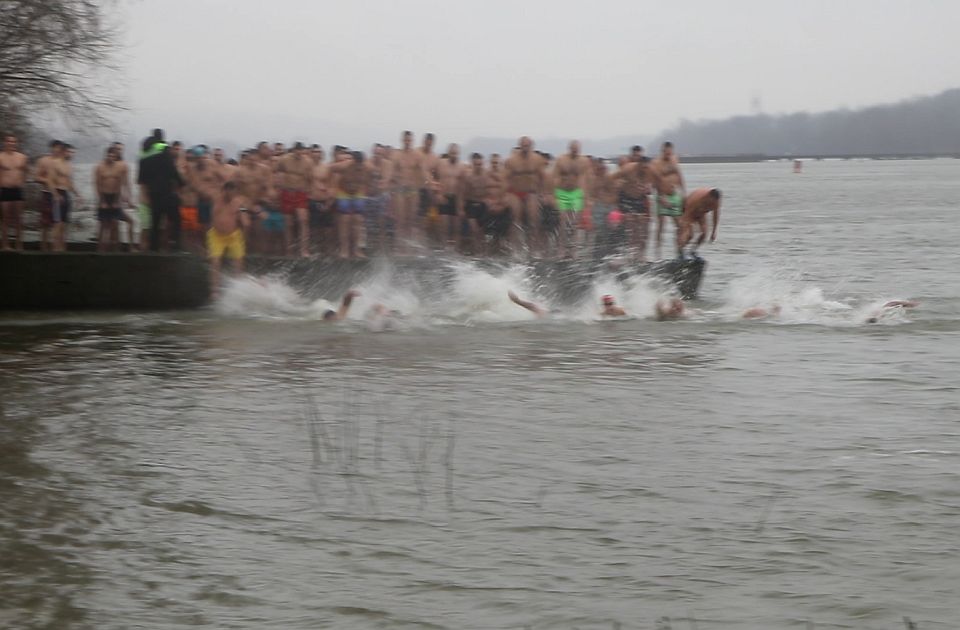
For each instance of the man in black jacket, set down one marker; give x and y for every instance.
(159, 183)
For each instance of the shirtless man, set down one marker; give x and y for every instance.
(48, 197)
(111, 182)
(126, 203)
(297, 171)
(874, 317)
(524, 171)
(193, 232)
(225, 236)
(671, 308)
(670, 189)
(378, 192)
(497, 177)
(408, 178)
(603, 199)
(13, 176)
(59, 177)
(572, 175)
(255, 184)
(430, 162)
(351, 181)
(474, 187)
(320, 204)
(227, 169)
(449, 172)
(207, 178)
(635, 180)
(696, 207)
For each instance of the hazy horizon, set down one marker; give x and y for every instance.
(362, 72)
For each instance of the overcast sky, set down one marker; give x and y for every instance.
(356, 71)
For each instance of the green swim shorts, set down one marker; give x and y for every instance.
(143, 215)
(569, 200)
(673, 207)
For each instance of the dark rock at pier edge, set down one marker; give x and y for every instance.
(82, 280)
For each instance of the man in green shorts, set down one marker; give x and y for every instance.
(571, 175)
(669, 204)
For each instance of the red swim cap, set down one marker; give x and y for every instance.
(607, 300)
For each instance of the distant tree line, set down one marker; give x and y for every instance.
(55, 63)
(927, 125)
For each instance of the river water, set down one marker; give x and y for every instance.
(247, 466)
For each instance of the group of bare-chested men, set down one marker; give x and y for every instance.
(395, 201)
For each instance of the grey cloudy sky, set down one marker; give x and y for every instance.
(357, 71)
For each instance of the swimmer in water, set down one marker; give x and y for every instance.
(759, 312)
(380, 318)
(672, 308)
(610, 308)
(892, 304)
(536, 309)
(341, 313)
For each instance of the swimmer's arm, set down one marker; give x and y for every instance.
(530, 306)
(716, 223)
(901, 303)
(345, 304)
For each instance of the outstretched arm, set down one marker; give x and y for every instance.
(345, 304)
(530, 306)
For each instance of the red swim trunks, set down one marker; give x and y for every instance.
(290, 200)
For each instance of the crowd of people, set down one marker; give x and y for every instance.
(298, 201)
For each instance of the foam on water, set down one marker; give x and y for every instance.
(477, 296)
(802, 303)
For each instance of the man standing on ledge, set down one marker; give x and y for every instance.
(13, 176)
(160, 182)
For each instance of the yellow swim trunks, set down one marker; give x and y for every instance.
(230, 244)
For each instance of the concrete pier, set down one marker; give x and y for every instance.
(86, 280)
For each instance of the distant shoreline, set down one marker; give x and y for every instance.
(759, 157)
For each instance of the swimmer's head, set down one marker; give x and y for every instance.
(607, 300)
(329, 314)
(872, 320)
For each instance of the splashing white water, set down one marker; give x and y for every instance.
(475, 295)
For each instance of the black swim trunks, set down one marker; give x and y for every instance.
(11, 194)
(61, 211)
(321, 214)
(109, 209)
(476, 210)
(449, 206)
(634, 205)
(550, 217)
(497, 224)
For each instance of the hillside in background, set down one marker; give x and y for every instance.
(924, 126)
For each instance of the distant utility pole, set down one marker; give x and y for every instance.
(756, 104)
